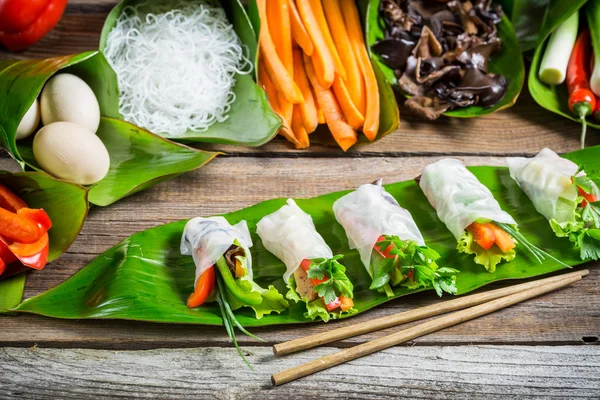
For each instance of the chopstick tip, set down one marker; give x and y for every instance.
(584, 272)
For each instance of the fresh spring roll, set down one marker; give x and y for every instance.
(389, 242)
(313, 274)
(562, 192)
(470, 212)
(221, 253)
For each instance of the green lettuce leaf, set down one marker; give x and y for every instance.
(584, 231)
(316, 308)
(488, 258)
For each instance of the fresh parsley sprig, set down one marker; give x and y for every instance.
(336, 279)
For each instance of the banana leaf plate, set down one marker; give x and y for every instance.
(251, 121)
(553, 98)
(389, 115)
(145, 278)
(138, 158)
(67, 206)
(508, 61)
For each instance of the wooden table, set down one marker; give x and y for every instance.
(540, 348)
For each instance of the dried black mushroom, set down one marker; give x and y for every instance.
(440, 50)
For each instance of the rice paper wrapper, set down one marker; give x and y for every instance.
(369, 212)
(458, 197)
(544, 178)
(289, 233)
(207, 239)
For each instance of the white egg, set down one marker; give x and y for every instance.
(71, 152)
(68, 98)
(29, 122)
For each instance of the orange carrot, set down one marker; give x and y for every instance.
(308, 109)
(324, 64)
(281, 78)
(355, 33)
(299, 130)
(317, 8)
(320, 115)
(354, 79)
(265, 82)
(343, 133)
(278, 13)
(353, 116)
(299, 31)
(286, 132)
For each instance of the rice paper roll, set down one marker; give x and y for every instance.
(458, 197)
(546, 179)
(290, 234)
(370, 212)
(207, 239)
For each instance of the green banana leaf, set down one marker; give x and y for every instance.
(507, 62)
(145, 277)
(132, 150)
(554, 98)
(67, 207)
(389, 114)
(251, 120)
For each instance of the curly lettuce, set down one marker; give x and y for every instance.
(488, 258)
(583, 231)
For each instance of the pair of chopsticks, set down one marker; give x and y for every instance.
(470, 307)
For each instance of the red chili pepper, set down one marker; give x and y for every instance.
(582, 101)
(25, 22)
(32, 255)
(384, 253)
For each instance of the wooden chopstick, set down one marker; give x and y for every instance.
(419, 330)
(377, 324)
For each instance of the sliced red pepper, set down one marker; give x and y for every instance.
(482, 234)
(411, 275)
(2, 266)
(34, 255)
(334, 304)
(36, 29)
(38, 216)
(305, 265)
(17, 15)
(386, 252)
(6, 255)
(9, 200)
(588, 197)
(16, 228)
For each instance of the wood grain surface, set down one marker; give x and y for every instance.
(502, 364)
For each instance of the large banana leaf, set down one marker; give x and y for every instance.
(507, 62)
(145, 277)
(389, 114)
(67, 206)
(138, 158)
(251, 120)
(553, 98)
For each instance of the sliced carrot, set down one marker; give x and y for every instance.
(317, 8)
(299, 130)
(324, 64)
(355, 34)
(278, 13)
(347, 302)
(281, 78)
(286, 132)
(352, 114)
(503, 239)
(354, 80)
(204, 287)
(320, 115)
(308, 109)
(343, 133)
(482, 234)
(299, 33)
(265, 82)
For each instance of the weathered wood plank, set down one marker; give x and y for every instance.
(477, 372)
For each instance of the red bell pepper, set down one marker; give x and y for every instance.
(25, 22)
(32, 255)
(305, 265)
(385, 253)
(9, 200)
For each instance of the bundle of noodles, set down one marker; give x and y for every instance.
(221, 253)
(176, 63)
(389, 242)
(474, 217)
(314, 276)
(563, 193)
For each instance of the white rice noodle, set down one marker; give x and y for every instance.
(458, 197)
(370, 212)
(207, 239)
(289, 233)
(176, 64)
(544, 178)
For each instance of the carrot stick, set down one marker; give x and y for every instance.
(317, 8)
(281, 78)
(353, 116)
(343, 133)
(299, 33)
(278, 13)
(265, 82)
(308, 109)
(324, 65)
(355, 33)
(320, 115)
(354, 79)
(299, 130)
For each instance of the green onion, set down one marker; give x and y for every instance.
(553, 69)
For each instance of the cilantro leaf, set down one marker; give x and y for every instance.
(590, 245)
(591, 213)
(337, 282)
